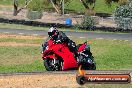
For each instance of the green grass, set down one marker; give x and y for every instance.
(6, 2)
(108, 54)
(10, 2)
(29, 41)
(100, 7)
(76, 6)
(19, 26)
(111, 54)
(20, 59)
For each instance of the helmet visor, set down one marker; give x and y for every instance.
(50, 33)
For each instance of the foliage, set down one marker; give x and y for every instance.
(36, 5)
(120, 2)
(60, 1)
(87, 22)
(123, 16)
(32, 15)
(71, 6)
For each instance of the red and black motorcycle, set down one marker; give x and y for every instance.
(57, 57)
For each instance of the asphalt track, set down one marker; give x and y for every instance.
(95, 35)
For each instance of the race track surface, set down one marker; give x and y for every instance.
(115, 36)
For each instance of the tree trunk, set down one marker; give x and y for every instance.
(88, 10)
(15, 8)
(58, 7)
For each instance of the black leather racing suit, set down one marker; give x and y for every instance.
(61, 37)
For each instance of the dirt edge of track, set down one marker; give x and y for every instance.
(43, 80)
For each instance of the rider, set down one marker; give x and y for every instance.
(60, 37)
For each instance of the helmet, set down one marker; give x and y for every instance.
(52, 32)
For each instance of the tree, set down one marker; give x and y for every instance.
(90, 10)
(57, 4)
(16, 10)
(123, 16)
(87, 3)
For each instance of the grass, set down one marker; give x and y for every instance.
(6, 2)
(29, 41)
(10, 2)
(111, 54)
(76, 6)
(100, 7)
(20, 59)
(108, 54)
(19, 26)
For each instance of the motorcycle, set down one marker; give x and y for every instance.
(58, 57)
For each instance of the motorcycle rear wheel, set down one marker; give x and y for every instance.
(87, 65)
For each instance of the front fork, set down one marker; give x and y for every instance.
(57, 64)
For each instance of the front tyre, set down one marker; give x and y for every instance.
(47, 64)
(52, 65)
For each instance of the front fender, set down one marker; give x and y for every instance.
(49, 56)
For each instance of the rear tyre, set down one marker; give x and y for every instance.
(94, 67)
(88, 64)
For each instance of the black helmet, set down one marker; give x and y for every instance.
(52, 32)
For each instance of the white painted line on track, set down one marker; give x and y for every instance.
(99, 38)
(6, 32)
(126, 40)
(69, 36)
(21, 33)
(35, 34)
(114, 39)
(82, 37)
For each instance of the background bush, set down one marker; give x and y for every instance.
(87, 22)
(123, 16)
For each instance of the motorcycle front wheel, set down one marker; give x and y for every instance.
(50, 65)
